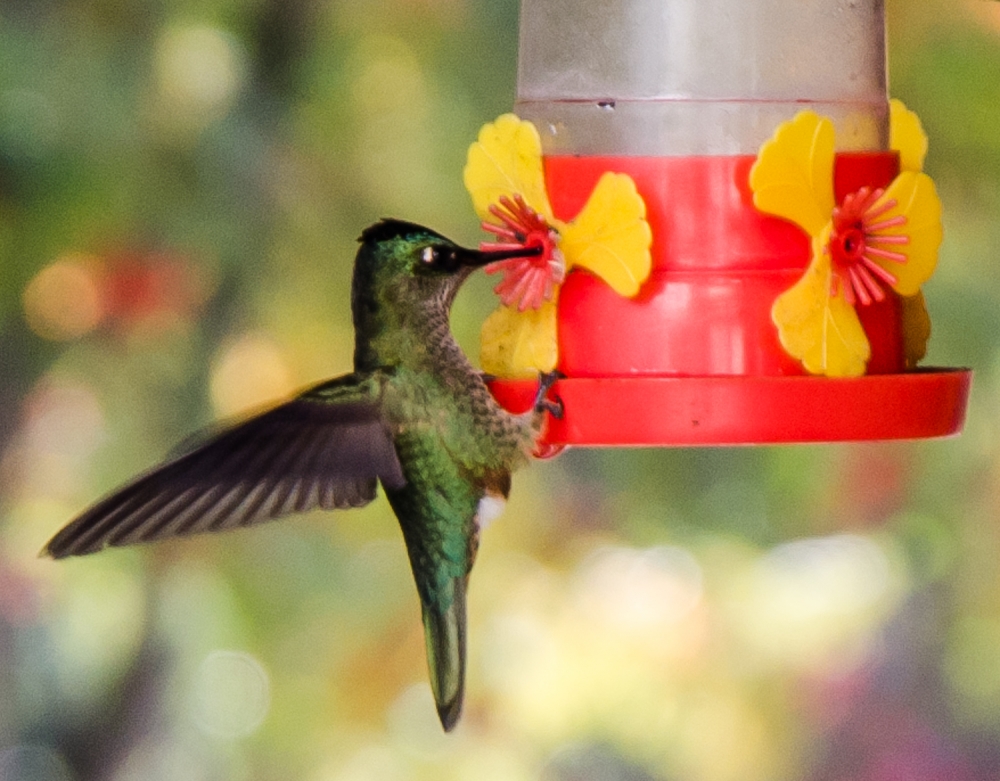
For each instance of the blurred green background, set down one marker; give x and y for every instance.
(181, 186)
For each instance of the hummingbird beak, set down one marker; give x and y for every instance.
(476, 258)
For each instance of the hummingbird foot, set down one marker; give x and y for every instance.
(554, 407)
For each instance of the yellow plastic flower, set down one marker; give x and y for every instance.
(874, 239)
(609, 237)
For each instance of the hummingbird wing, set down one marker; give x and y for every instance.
(326, 448)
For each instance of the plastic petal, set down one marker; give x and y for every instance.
(907, 136)
(610, 236)
(506, 160)
(519, 344)
(917, 200)
(819, 329)
(793, 175)
(916, 329)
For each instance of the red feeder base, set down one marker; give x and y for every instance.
(648, 411)
(695, 359)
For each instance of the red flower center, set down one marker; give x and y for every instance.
(530, 281)
(859, 240)
(852, 245)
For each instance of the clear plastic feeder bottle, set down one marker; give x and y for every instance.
(699, 77)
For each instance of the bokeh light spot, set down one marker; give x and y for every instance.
(63, 424)
(63, 300)
(63, 416)
(823, 576)
(641, 589)
(199, 70)
(248, 372)
(232, 694)
(149, 293)
(814, 601)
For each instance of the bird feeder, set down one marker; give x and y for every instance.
(789, 226)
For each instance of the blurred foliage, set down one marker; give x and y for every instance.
(181, 185)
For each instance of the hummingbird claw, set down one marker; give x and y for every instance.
(554, 407)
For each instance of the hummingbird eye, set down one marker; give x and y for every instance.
(439, 259)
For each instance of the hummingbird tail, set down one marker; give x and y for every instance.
(444, 632)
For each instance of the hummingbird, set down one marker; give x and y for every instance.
(414, 415)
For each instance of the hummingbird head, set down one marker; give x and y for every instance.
(406, 277)
(406, 266)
